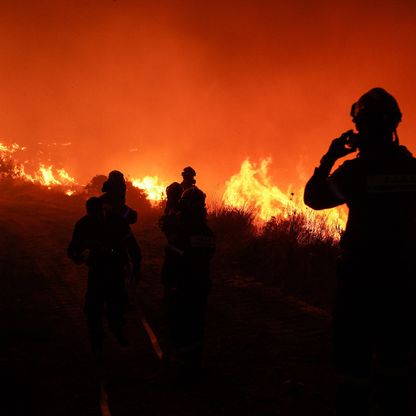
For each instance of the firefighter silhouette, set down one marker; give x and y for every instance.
(114, 197)
(173, 195)
(104, 242)
(175, 189)
(113, 202)
(186, 279)
(373, 316)
(188, 178)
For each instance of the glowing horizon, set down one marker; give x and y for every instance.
(251, 188)
(154, 87)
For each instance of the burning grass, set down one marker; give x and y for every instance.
(294, 252)
(262, 232)
(291, 252)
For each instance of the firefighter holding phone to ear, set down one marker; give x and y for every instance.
(373, 317)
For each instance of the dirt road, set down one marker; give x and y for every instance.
(266, 354)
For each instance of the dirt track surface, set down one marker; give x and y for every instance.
(266, 353)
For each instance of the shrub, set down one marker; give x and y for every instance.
(295, 252)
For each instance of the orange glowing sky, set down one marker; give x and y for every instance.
(149, 87)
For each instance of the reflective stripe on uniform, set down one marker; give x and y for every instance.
(352, 380)
(175, 249)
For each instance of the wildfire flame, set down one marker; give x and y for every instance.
(252, 188)
(44, 175)
(154, 190)
(50, 176)
(47, 177)
(14, 147)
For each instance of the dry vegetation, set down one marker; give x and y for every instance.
(284, 252)
(289, 253)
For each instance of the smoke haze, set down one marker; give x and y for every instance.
(150, 87)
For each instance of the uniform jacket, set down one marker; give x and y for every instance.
(380, 192)
(109, 242)
(191, 245)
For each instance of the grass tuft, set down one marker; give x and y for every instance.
(296, 253)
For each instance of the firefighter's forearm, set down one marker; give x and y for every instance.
(317, 194)
(326, 165)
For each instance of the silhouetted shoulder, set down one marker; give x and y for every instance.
(347, 178)
(80, 234)
(82, 225)
(348, 166)
(405, 153)
(83, 221)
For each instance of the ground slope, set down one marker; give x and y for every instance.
(266, 354)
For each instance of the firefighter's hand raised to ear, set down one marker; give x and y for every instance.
(341, 146)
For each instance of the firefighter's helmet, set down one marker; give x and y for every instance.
(115, 181)
(376, 109)
(174, 191)
(188, 172)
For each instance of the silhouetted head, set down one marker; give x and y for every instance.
(188, 172)
(174, 191)
(192, 203)
(94, 206)
(115, 182)
(376, 116)
(188, 175)
(173, 195)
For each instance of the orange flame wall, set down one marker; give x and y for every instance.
(251, 188)
(151, 87)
